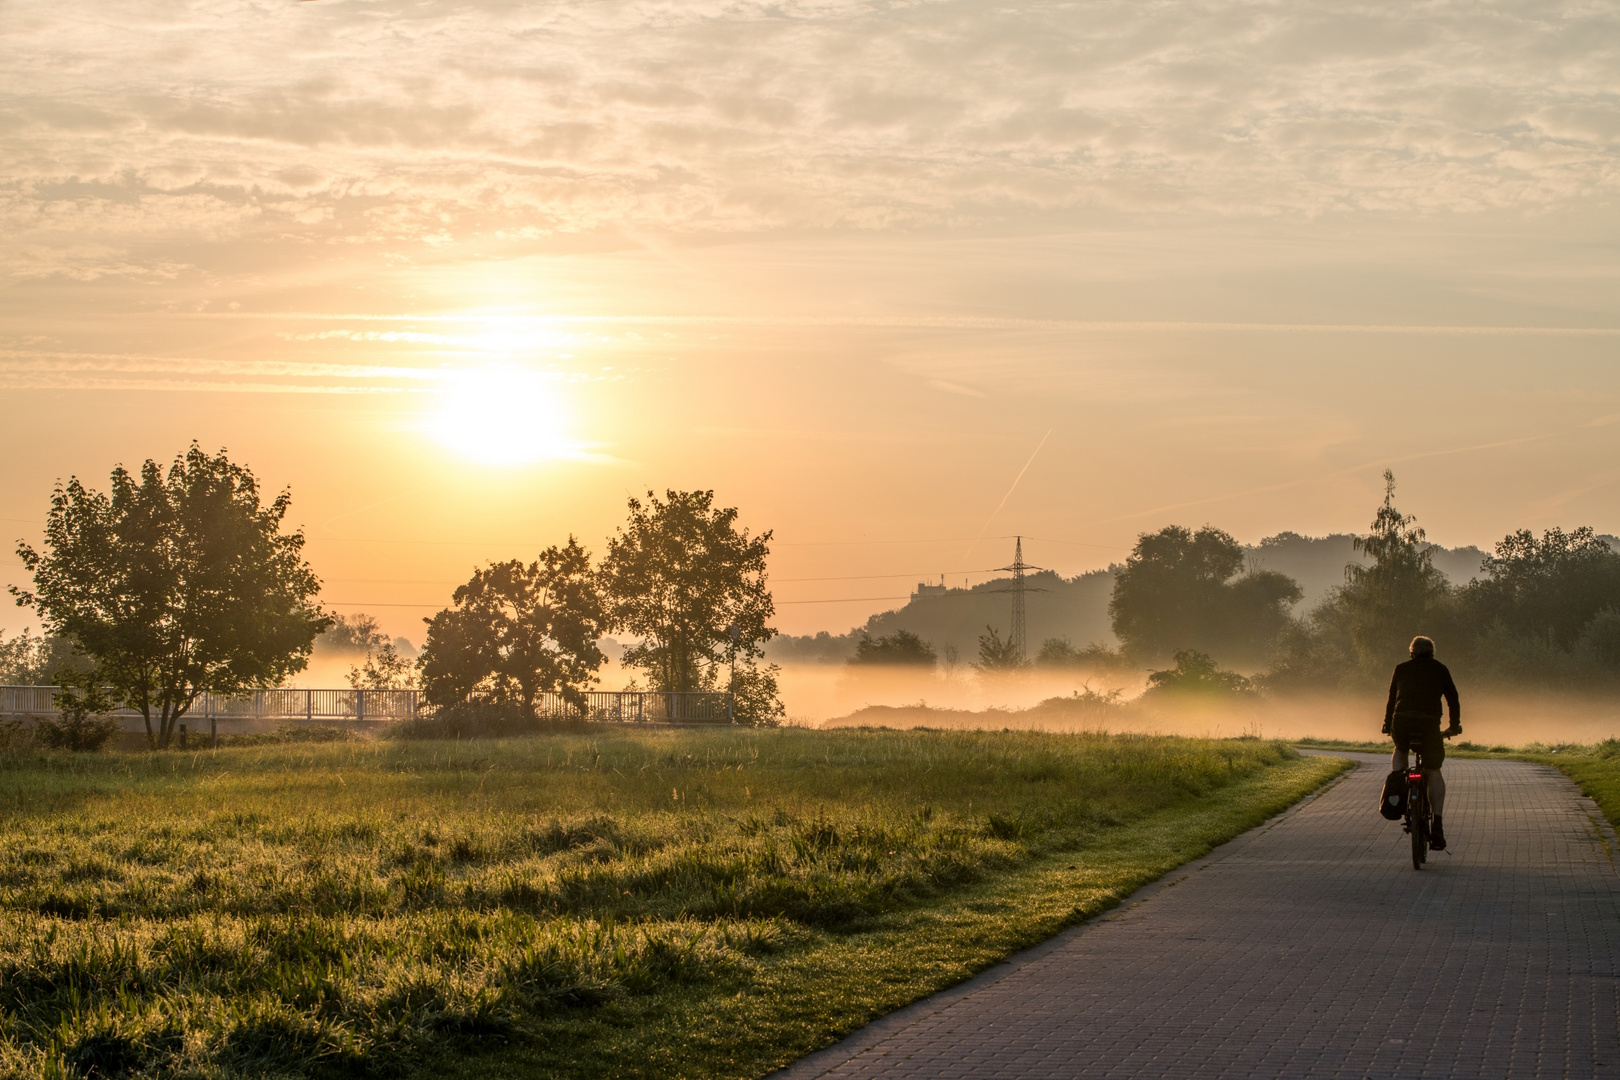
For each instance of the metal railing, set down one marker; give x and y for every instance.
(309, 706)
(642, 706)
(381, 706)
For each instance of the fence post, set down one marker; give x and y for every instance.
(213, 733)
(309, 705)
(359, 704)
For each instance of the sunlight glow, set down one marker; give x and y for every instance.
(505, 415)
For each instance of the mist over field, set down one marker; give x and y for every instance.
(1045, 701)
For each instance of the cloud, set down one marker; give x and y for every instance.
(151, 126)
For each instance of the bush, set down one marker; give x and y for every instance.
(77, 730)
(476, 720)
(758, 702)
(15, 738)
(291, 733)
(1197, 673)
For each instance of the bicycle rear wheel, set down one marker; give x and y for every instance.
(1418, 808)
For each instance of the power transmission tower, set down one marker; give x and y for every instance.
(1018, 588)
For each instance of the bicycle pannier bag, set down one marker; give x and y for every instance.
(1392, 803)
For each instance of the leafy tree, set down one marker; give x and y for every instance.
(1551, 588)
(518, 631)
(680, 574)
(901, 649)
(1061, 653)
(1197, 673)
(997, 654)
(758, 700)
(31, 659)
(357, 633)
(174, 584)
(1400, 595)
(1183, 590)
(384, 669)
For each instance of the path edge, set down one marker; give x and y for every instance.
(819, 1063)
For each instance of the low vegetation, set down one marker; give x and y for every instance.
(653, 903)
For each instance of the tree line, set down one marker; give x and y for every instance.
(179, 582)
(1542, 610)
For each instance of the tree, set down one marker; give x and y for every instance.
(1061, 653)
(518, 631)
(899, 649)
(357, 633)
(31, 659)
(1550, 588)
(1396, 598)
(1177, 591)
(1197, 673)
(174, 585)
(680, 574)
(997, 655)
(383, 669)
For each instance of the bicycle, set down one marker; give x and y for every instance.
(1419, 816)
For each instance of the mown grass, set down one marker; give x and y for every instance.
(656, 903)
(1595, 770)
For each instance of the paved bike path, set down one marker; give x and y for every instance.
(1309, 947)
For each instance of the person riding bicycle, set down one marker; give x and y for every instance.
(1412, 719)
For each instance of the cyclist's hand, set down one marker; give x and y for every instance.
(1385, 728)
(1454, 729)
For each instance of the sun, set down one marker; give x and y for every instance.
(502, 415)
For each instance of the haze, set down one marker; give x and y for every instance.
(899, 280)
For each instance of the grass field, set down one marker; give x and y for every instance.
(655, 903)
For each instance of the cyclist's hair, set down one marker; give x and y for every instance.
(1422, 646)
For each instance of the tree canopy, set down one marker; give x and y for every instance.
(998, 654)
(31, 659)
(1197, 673)
(1182, 589)
(515, 631)
(681, 574)
(901, 648)
(174, 584)
(1400, 595)
(1551, 587)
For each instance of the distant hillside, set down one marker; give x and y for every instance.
(1318, 562)
(1077, 608)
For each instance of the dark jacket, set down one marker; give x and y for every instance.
(1416, 690)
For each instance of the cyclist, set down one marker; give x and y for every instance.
(1412, 718)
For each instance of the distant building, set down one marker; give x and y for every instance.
(925, 589)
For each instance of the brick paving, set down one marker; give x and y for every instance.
(1309, 947)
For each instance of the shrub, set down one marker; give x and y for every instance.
(291, 733)
(476, 720)
(1197, 673)
(77, 730)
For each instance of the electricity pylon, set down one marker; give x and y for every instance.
(1018, 638)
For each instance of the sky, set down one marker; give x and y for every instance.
(899, 280)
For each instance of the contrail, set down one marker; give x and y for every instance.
(1007, 496)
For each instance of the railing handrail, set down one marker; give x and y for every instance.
(312, 704)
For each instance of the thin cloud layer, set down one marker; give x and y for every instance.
(135, 134)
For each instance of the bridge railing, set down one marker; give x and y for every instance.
(380, 706)
(642, 706)
(309, 706)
